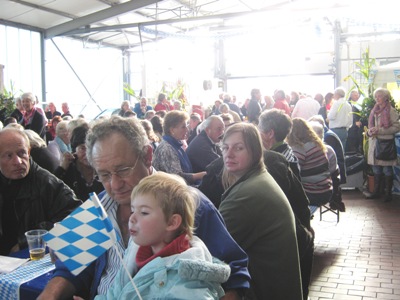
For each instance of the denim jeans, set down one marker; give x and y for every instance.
(342, 134)
(387, 170)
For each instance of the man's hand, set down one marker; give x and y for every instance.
(58, 288)
(15, 248)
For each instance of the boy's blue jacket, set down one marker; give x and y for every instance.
(209, 227)
(192, 274)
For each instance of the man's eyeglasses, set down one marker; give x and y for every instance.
(121, 173)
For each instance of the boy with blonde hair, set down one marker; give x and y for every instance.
(165, 259)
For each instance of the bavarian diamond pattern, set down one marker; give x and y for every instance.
(82, 236)
(10, 283)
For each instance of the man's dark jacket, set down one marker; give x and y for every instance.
(201, 152)
(41, 200)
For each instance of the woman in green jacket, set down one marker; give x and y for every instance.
(258, 216)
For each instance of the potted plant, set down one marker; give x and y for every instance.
(7, 105)
(365, 70)
(175, 92)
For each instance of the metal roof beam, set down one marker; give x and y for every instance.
(20, 25)
(166, 21)
(40, 7)
(97, 17)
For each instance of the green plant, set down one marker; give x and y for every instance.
(365, 71)
(175, 92)
(7, 105)
(128, 89)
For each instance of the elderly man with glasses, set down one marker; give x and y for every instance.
(121, 154)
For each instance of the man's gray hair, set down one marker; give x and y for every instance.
(340, 92)
(318, 128)
(16, 131)
(317, 118)
(129, 128)
(207, 122)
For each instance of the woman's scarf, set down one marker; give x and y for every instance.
(183, 158)
(63, 146)
(384, 111)
(28, 116)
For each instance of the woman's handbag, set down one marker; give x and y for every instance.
(385, 149)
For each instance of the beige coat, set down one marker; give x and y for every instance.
(383, 133)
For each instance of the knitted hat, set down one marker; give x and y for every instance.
(78, 137)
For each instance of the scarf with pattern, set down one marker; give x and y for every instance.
(384, 111)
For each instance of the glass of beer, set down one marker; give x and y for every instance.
(37, 245)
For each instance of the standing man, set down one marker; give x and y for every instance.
(30, 197)
(232, 106)
(340, 116)
(121, 154)
(254, 107)
(355, 133)
(306, 108)
(204, 148)
(65, 110)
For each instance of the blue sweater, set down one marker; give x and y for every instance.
(209, 227)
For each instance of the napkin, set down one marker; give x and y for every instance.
(9, 264)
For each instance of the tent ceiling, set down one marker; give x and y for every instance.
(123, 23)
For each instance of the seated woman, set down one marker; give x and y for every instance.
(75, 169)
(161, 225)
(32, 118)
(125, 106)
(51, 129)
(169, 156)
(40, 153)
(157, 123)
(61, 143)
(313, 161)
(259, 217)
(335, 202)
(154, 139)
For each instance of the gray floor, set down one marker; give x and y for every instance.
(359, 257)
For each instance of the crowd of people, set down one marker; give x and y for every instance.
(223, 193)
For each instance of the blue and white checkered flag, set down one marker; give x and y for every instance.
(82, 236)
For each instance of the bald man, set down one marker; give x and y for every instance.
(30, 197)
